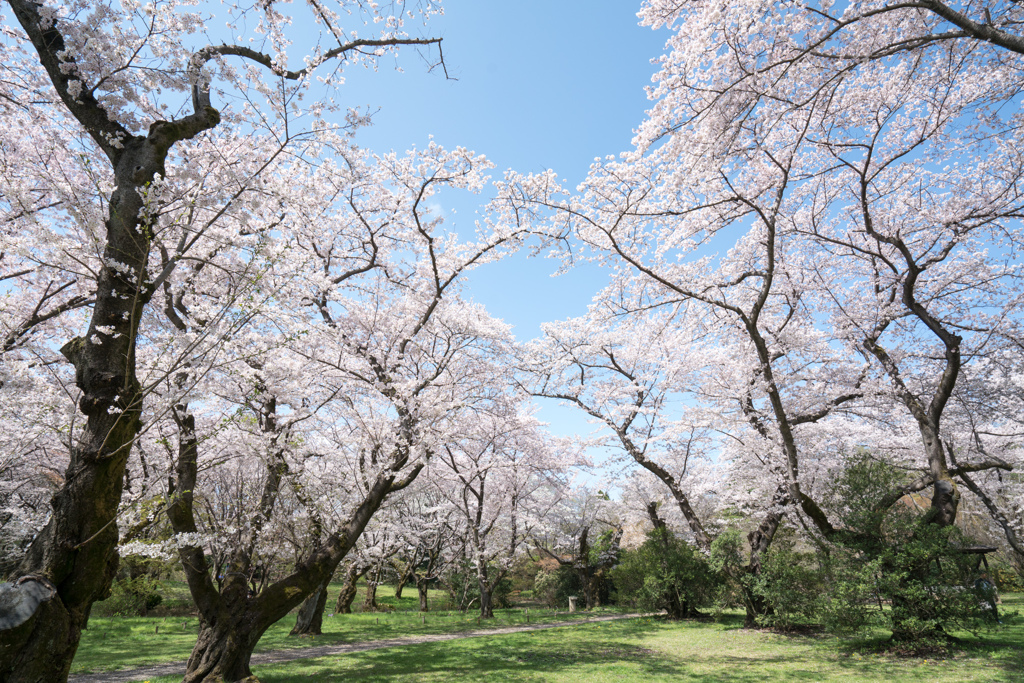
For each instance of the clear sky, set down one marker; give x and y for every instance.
(539, 85)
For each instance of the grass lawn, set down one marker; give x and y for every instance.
(129, 642)
(652, 649)
(648, 650)
(641, 650)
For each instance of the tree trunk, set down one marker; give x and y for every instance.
(486, 606)
(76, 552)
(407, 574)
(760, 540)
(421, 588)
(583, 576)
(596, 584)
(232, 620)
(486, 589)
(348, 590)
(310, 619)
(222, 651)
(370, 601)
(22, 607)
(345, 600)
(676, 608)
(754, 606)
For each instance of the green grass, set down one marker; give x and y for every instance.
(129, 642)
(650, 650)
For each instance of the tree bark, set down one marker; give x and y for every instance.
(370, 601)
(486, 603)
(583, 576)
(22, 604)
(406, 574)
(310, 619)
(232, 621)
(486, 591)
(77, 550)
(348, 590)
(223, 650)
(421, 589)
(760, 540)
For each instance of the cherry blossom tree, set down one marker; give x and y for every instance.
(908, 175)
(371, 355)
(630, 377)
(764, 348)
(429, 525)
(858, 163)
(583, 532)
(859, 167)
(119, 126)
(495, 471)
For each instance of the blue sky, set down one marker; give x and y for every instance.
(539, 85)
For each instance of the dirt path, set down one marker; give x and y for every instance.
(178, 668)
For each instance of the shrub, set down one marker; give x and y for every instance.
(554, 587)
(666, 573)
(545, 587)
(791, 584)
(502, 593)
(727, 561)
(1007, 579)
(895, 555)
(464, 589)
(134, 597)
(928, 582)
(886, 565)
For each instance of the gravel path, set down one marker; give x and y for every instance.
(178, 668)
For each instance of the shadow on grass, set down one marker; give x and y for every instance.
(612, 661)
(999, 648)
(652, 649)
(132, 642)
(1002, 645)
(593, 653)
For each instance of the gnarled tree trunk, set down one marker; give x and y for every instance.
(370, 600)
(347, 595)
(76, 551)
(310, 619)
(405, 576)
(232, 621)
(421, 589)
(223, 649)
